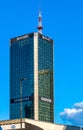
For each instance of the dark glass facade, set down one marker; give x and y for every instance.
(21, 66)
(22, 60)
(45, 69)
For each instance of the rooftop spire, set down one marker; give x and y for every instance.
(40, 27)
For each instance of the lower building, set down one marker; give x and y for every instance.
(29, 124)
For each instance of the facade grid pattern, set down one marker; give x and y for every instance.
(31, 57)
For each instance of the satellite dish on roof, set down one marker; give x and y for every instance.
(13, 126)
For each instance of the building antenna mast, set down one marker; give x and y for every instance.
(40, 27)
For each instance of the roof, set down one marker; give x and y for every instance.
(39, 124)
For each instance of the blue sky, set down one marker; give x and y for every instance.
(62, 21)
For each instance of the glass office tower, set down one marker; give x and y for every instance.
(31, 58)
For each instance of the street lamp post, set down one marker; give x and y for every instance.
(21, 79)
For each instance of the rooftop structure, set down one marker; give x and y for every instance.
(40, 27)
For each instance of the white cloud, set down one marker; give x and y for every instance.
(73, 115)
(79, 105)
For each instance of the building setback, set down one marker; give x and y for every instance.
(31, 58)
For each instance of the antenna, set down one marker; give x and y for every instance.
(40, 27)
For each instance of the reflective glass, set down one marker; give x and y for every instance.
(45, 79)
(21, 66)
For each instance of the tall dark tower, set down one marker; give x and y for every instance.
(31, 57)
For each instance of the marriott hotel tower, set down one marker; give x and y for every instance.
(31, 68)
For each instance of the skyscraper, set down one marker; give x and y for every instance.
(31, 57)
